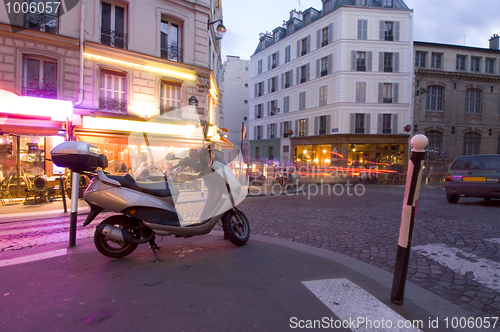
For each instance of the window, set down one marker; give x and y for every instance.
(170, 41)
(322, 95)
(46, 20)
(360, 61)
(245, 101)
(270, 153)
(361, 92)
(473, 101)
(273, 107)
(112, 91)
(322, 125)
(388, 62)
(288, 51)
(420, 59)
(286, 104)
(387, 93)
(436, 60)
(170, 96)
(490, 66)
(258, 132)
(274, 81)
(389, 31)
(303, 74)
(246, 85)
(302, 127)
(435, 98)
(276, 37)
(362, 29)
(360, 2)
(324, 66)
(288, 79)
(435, 143)
(274, 60)
(461, 62)
(359, 124)
(324, 36)
(303, 43)
(286, 148)
(472, 142)
(286, 127)
(272, 130)
(259, 67)
(475, 64)
(386, 3)
(302, 100)
(262, 44)
(258, 111)
(257, 150)
(259, 89)
(386, 123)
(40, 77)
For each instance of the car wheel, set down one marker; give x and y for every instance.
(452, 198)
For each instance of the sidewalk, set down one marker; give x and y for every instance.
(207, 284)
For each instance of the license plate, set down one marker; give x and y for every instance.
(474, 179)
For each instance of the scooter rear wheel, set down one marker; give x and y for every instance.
(236, 228)
(112, 248)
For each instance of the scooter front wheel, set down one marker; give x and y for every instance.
(236, 227)
(111, 247)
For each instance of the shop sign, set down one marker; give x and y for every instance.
(193, 101)
(335, 130)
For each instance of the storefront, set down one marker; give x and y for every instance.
(29, 129)
(351, 155)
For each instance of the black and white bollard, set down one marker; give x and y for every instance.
(75, 188)
(413, 180)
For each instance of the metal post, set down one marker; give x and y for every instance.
(413, 179)
(75, 186)
(61, 190)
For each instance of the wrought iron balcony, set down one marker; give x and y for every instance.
(42, 22)
(49, 93)
(114, 39)
(171, 53)
(302, 80)
(287, 85)
(112, 105)
(324, 73)
(388, 69)
(324, 43)
(387, 100)
(304, 52)
(361, 68)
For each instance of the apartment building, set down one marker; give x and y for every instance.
(120, 64)
(333, 87)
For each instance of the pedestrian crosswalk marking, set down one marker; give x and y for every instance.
(484, 271)
(352, 304)
(31, 258)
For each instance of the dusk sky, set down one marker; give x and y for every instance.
(439, 21)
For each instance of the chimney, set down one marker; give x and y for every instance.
(494, 42)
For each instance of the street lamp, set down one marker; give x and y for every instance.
(221, 29)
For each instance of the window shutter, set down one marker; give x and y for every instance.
(395, 99)
(318, 39)
(396, 62)
(381, 35)
(282, 81)
(298, 48)
(268, 85)
(353, 123)
(381, 61)
(330, 63)
(369, 56)
(308, 43)
(360, 29)
(286, 104)
(330, 33)
(256, 90)
(328, 124)
(353, 60)
(396, 31)
(380, 118)
(316, 125)
(380, 93)
(394, 124)
(365, 29)
(268, 131)
(317, 67)
(298, 76)
(276, 83)
(268, 108)
(268, 62)
(255, 132)
(291, 77)
(256, 111)
(296, 128)
(307, 128)
(277, 58)
(280, 134)
(368, 123)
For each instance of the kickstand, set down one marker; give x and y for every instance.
(155, 249)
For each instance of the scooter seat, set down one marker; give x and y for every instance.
(159, 189)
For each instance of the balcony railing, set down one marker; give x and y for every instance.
(387, 100)
(273, 89)
(40, 93)
(302, 80)
(114, 39)
(324, 43)
(388, 69)
(287, 85)
(361, 68)
(42, 22)
(304, 52)
(389, 37)
(171, 53)
(273, 66)
(324, 73)
(112, 105)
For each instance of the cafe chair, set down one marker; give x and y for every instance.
(40, 187)
(5, 190)
(30, 190)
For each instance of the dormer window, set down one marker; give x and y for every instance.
(262, 44)
(360, 2)
(387, 3)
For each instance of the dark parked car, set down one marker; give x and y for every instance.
(473, 176)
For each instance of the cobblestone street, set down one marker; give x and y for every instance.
(363, 224)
